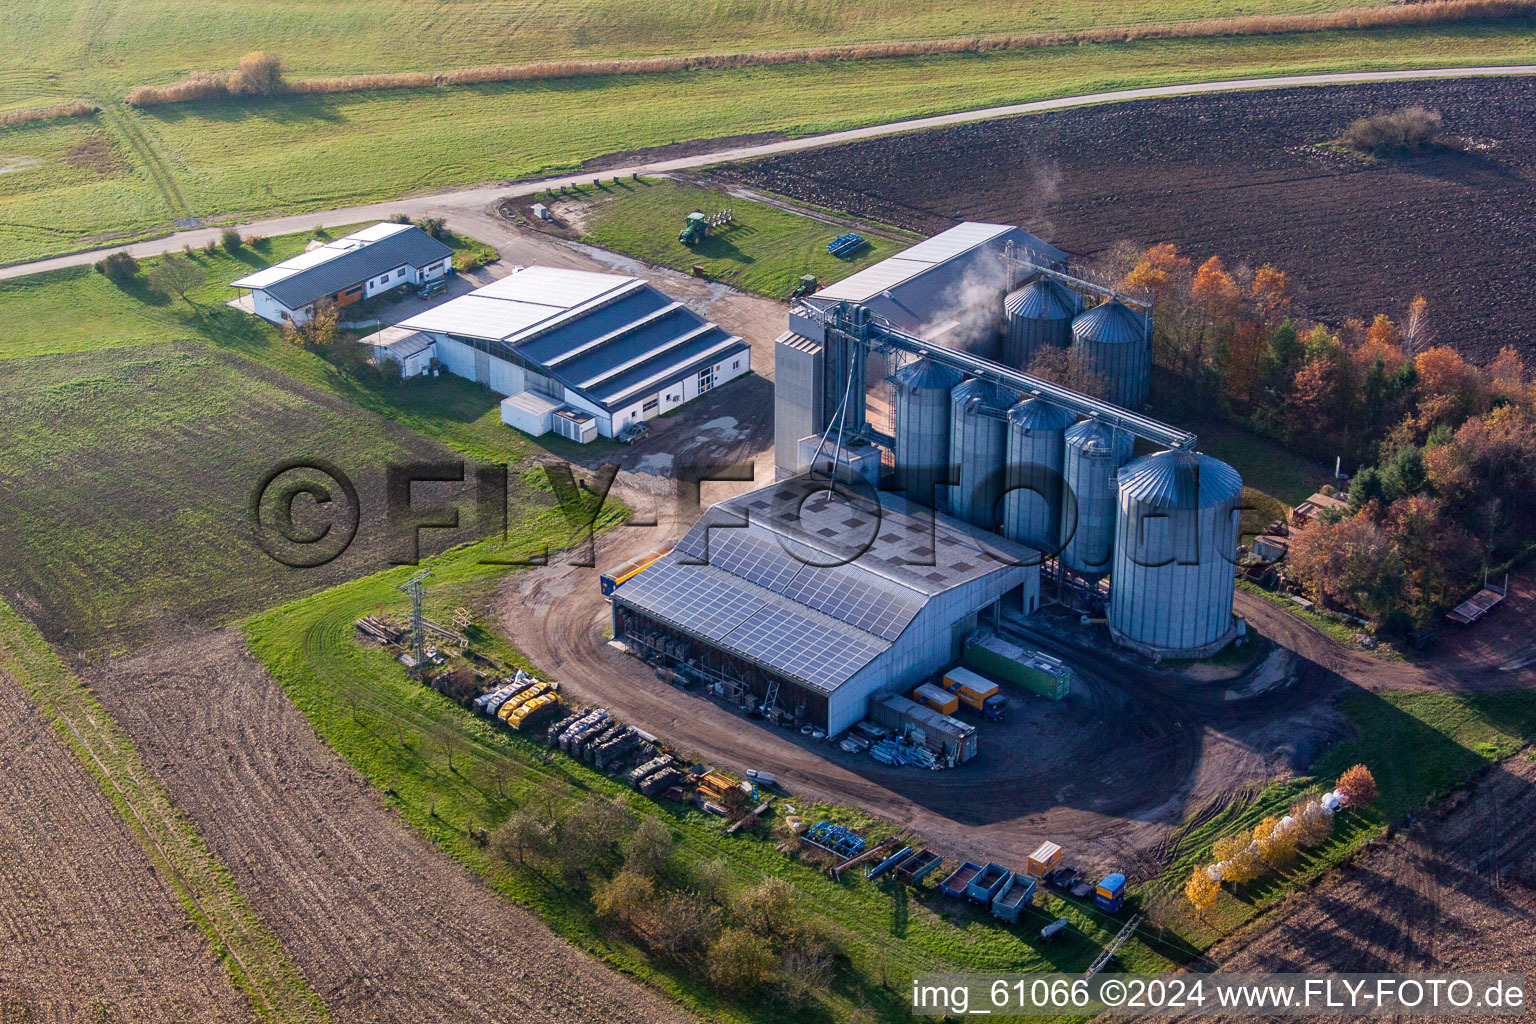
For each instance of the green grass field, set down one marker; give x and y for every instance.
(888, 934)
(72, 48)
(764, 250)
(295, 154)
(1419, 746)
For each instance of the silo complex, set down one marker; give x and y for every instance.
(1036, 451)
(1113, 341)
(1176, 540)
(921, 450)
(1093, 453)
(978, 449)
(1039, 315)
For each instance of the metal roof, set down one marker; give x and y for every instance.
(989, 395)
(927, 375)
(924, 256)
(771, 577)
(345, 262)
(609, 337)
(1180, 480)
(1112, 323)
(1038, 414)
(1043, 299)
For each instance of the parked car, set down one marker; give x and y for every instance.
(632, 433)
(436, 286)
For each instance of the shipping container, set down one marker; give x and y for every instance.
(976, 692)
(988, 883)
(1044, 860)
(1110, 893)
(954, 739)
(615, 578)
(935, 698)
(1038, 673)
(1012, 898)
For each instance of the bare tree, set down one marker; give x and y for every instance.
(521, 834)
(178, 276)
(442, 735)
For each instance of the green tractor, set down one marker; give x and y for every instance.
(806, 286)
(695, 230)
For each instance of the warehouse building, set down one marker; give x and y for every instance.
(347, 270)
(581, 353)
(816, 604)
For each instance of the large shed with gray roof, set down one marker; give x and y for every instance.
(365, 263)
(821, 600)
(611, 346)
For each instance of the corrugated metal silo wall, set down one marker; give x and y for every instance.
(1032, 504)
(1186, 603)
(797, 373)
(1124, 366)
(978, 446)
(922, 442)
(1089, 476)
(1026, 336)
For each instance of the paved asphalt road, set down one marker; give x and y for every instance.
(475, 199)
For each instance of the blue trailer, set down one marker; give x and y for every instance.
(846, 245)
(1110, 894)
(961, 877)
(988, 883)
(1013, 898)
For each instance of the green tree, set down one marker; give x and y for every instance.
(177, 276)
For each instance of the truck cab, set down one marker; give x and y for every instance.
(994, 707)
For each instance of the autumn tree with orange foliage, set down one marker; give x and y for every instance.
(1358, 786)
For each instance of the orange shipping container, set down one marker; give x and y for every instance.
(937, 699)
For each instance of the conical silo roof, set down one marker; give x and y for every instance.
(1111, 323)
(993, 396)
(1038, 414)
(927, 375)
(1040, 298)
(1180, 480)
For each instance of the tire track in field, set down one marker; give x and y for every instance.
(154, 165)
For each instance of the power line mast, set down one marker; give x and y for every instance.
(413, 586)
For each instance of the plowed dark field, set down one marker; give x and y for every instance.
(1247, 176)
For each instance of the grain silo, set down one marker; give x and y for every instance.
(978, 449)
(1039, 315)
(1176, 542)
(1036, 451)
(1093, 452)
(1115, 342)
(921, 450)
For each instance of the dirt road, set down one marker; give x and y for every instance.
(382, 925)
(459, 202)
(88, 931)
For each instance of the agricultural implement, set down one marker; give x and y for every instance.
(846, 245)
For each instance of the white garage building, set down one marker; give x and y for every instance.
(346, 270)
(582, 353)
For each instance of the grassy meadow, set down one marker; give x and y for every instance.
(75, 48)
(298, 153)
(764, 250)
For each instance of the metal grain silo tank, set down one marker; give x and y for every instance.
(921, 450)
(1175, 542)
(1112, 340)
(1094, 451)
(978, 449)
(1039, 314)
(1036, 450)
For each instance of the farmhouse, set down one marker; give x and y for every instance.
(581, 353)
(345, 271)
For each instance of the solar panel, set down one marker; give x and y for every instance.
(705, 603)
(873, 605)
(801, 647)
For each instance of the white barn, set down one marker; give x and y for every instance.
(610, 348)
(347, 270)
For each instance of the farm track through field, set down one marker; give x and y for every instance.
(173, 846)
(122, 122)
(384, 925)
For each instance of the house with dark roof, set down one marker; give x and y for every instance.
(347, 270)
(573, 350)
